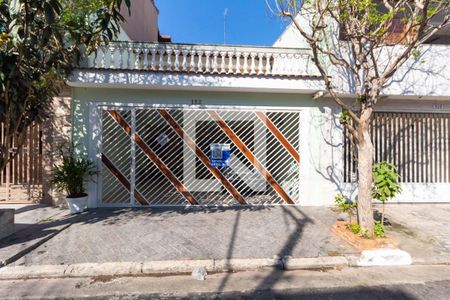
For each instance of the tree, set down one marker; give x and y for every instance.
(41, 41)
(368, 41)
(386, 185)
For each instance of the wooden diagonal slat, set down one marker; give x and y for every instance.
(122, 179)
(202, 156)
(278, 135)
(250, 156)
(154, 158)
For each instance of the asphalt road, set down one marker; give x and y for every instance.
(412, 282)
(432, 290)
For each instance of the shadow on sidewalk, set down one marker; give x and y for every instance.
(183, 233)
(35, 231)
(286, 250)
(107, 216)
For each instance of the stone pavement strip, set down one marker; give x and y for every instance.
(34, 226)
(141, 235)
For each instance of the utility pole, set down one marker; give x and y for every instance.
(225, 13)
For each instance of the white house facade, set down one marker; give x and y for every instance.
(180, 124)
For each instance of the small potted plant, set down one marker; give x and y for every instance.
(70, 176)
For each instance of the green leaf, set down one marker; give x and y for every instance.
(386, 185)
(14, 7)
(34, 63)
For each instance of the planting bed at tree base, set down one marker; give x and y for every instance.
(340, 228)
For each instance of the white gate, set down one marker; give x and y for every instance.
(162, 156)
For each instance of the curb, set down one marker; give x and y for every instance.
(165, 268)
(326, 262)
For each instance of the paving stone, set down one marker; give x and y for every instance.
(422, 230)
(172, 234)
(6, 222)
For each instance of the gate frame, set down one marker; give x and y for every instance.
(94, 148)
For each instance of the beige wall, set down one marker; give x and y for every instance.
(56, 132)
(142, 24)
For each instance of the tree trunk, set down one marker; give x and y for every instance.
(365, 162)
(5, 144)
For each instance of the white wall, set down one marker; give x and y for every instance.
(321, 155)
(425, 75)
(411, 192)
(319, 177)
(291, 37)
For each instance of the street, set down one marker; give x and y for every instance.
(430, 290)
(411, 282)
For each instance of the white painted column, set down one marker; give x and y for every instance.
(94, 154)
(133, 157)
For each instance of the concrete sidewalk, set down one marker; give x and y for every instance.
(423, 230)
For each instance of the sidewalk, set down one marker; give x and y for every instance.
(30, 214)
(148, 241)
(423, 230)
(140, 235)
(34, 225)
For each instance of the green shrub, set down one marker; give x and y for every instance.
(345, 205)
(386, 185)
(379, 229)
(355, 228)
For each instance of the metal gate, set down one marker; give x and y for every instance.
(162, 156)
(21, 180)
(417, 143)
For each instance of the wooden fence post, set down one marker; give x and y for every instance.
(47, 160)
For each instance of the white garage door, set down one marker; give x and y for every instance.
(183, 156)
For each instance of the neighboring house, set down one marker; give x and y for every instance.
(411, 124)
(160, 118)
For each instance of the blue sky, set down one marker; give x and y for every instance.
(249, 22)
